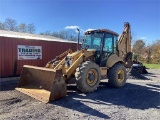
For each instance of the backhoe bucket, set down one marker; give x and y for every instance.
(43, 84)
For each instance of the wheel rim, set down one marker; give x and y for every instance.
(92, 77)
(120, 76)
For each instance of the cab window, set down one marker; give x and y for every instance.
(108, 43)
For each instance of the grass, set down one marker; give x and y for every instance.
(152, 66)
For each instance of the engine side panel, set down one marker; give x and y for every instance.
(112, 60)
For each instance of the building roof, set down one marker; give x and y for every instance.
(12, 34)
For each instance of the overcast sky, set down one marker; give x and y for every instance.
(55, 15)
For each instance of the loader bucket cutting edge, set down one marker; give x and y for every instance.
(43, 84)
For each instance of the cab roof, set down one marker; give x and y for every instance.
(101, 30)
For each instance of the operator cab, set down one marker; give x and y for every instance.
(103, 41)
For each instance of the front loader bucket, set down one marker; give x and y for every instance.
(43, 84)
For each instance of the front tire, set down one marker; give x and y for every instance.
(87, 76)
(117, 75)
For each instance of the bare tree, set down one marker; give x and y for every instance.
(55, 34)
(70, 35)
(10, 24)
(47, 33)
(2, 26)
(31, 28)
(22, 27)
(61, 34)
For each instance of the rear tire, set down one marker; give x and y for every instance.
(117, 75)
(87, 76)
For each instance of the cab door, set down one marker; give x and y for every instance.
(109, 46)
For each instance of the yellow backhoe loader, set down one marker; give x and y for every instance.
(102, 54)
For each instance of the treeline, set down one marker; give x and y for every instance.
(11, 25)
(67, 34)
(147, 54)
(141, 52)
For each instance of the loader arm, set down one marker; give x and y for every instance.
(70, 63)
(78, 59)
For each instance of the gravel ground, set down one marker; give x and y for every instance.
(139, 99)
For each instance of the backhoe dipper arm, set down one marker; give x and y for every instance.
(124, 43)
